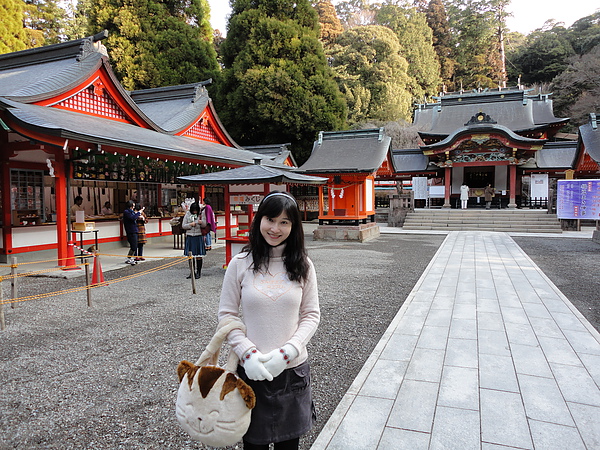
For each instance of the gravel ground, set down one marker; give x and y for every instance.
(104, 377)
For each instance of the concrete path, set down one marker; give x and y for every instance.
(486, 353)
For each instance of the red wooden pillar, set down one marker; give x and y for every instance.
(512, 185)
(321, 201)
(62, 213)
(6, 210)
(447, 186)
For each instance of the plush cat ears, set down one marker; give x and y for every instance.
(208, 377)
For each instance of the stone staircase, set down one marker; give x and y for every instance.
(508, 220)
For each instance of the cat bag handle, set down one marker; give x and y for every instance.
(210, 355)
(213, 404)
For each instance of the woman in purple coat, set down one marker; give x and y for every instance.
(211, 220)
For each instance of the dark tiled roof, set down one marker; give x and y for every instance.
(276, 152)
(359, 151)
(409, 160)
(556, 155)
(173, 108)
(590, 136)
(482, 128)
(72, 125)
(254, 174)
(510, 108)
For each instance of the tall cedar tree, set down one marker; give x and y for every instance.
(475, 41)
(437, 19)
(43, 22)
(12, 34)
(372, 74)
(416, 39)
(276, 84)
(76, 26)
(331, 27)
(156, 43)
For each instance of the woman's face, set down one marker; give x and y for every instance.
(275, 230)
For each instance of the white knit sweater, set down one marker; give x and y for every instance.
(276, 311)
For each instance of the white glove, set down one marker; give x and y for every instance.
(254, 365)
(279, 358)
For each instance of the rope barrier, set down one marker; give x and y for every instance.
(169, 264)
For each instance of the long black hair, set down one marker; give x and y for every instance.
(295, 257)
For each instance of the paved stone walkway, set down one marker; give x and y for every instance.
(486, 353)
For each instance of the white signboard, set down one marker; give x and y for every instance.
(246, 199)
(539, 185)
(419, 185)
(437, 191)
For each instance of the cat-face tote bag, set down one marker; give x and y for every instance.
(214, 405)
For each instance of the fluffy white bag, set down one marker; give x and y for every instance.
(213, 405)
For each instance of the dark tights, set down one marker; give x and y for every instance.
(292, 444)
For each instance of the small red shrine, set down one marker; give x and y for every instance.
(349, 160)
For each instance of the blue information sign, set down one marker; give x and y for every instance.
(578, 199)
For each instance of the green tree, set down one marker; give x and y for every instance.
(437, 19)
(354, 13)
(584, 34)
(12, 34)
(544, 55)
(276, 84)
(372, 74)
(155, 43)
(474, 25)
(416, 39)
(43, 22)
(76, 25)
(331, 27)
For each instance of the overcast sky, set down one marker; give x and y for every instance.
(527, 14)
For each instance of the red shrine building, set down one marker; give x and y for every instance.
(69, 129)
(494, 137)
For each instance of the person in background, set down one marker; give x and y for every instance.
(272, 286)
(77, 206)
(106, 209)
(194, 240)
(464, 196)
(488, 193)
(141, 222)
(130, 216)
(211, 220)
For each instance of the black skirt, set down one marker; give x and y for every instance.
(284, 408)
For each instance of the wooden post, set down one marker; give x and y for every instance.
(88, 281)
(2, 323)
(192, 272)
(13, 280)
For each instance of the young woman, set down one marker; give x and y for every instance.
(130, 217)
(141, 222)
(272, 286)
(194, 241)
(211, 220)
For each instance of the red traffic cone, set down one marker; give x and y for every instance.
(97, 276)
(70, 264)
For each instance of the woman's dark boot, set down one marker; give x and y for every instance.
(198, 267)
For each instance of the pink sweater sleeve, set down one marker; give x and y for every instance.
(229, 305)
(310, 313)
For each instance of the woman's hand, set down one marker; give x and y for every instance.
(254, 366)
(279, 358)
